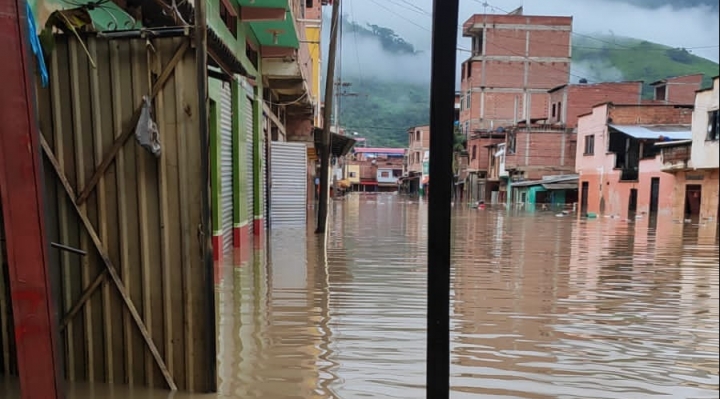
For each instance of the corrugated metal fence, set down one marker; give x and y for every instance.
(138, 308)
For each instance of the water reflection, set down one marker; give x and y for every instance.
(542, 307)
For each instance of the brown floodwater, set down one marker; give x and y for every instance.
(543, 306)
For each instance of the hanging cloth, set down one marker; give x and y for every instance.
(35, 43)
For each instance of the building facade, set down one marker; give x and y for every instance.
(694, 163)
(619, 167)
(515, 60)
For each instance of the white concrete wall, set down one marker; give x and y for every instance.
(705, 154)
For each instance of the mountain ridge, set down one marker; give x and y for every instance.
(382, 109)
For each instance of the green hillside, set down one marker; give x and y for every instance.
(638, 59)
(385, 109)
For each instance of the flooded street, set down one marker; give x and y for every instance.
(542, 307)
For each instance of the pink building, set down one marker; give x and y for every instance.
(617, 160)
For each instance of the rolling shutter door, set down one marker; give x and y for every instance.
(249, 127)
(289, 184)
(226, 167)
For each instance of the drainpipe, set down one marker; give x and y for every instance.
(206, 217)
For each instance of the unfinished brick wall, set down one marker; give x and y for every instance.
(577, 99)
(481, 160)
(679, 89)
(540, 153)
(649, 115)
(520, 59)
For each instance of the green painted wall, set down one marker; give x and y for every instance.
(239, 179)
(214, 87)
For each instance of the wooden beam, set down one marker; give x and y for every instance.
(109, 267)
(261, 14)
(21, 194)
(274, 119)
(130, 127)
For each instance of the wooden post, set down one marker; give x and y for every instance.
(23, 212)
(327, 113)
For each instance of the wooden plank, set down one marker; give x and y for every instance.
(99, 280)
(141, 72)
(110, 267)
(165, 220)
(78, 103)
(119, 54)
(130, 127)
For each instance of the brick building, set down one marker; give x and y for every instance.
(676, 90)
(619, 165)
(568, 101)
(516, 59)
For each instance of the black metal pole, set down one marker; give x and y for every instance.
(327, 113)
(442, 110)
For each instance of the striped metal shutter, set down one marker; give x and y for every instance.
(289, 184)
(226, 167)
(249, 127)
(265, 181)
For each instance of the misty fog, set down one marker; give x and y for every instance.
(691, 28)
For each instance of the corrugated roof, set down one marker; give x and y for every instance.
(561, 186)
(365, 150)
(548, 180)
(655, 132)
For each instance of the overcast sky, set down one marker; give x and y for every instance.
(695, 29)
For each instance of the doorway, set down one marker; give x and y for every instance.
(693, 193)
(654, 194)
(584, 198)
(633, 202)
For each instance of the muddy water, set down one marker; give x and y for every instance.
(542, 307)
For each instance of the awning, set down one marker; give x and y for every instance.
(560, 186)
(368, 183)
(339, 145)
(655, 132)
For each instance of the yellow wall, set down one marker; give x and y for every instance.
(312, 34)
(351, 169)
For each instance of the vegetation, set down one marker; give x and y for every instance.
(384, 110)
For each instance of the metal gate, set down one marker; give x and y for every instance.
(289, 184)
(249, 151)
(226, 167)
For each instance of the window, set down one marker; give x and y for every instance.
(417, 136)
(661, 93)
(474, 152)
(229, 16)
(553, 110)
(469, 69)
(713, 130)
(559, 111)
(589, 145)
(384, 174)
(477, 44)
(352, 174)
(469, 100)
(511, 142)
(308, 3)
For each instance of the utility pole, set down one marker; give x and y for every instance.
(327, 114)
